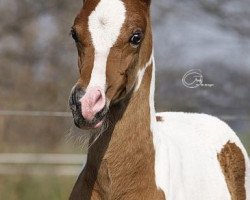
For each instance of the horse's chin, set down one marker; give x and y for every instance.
(99, 124)
(95, 125)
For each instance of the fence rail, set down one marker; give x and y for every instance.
(51, 159)
(40, 171)
(34, 113)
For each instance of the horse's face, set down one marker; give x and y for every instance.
(113, 39)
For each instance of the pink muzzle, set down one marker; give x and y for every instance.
(92, 103)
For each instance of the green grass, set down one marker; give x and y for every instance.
(35, 187)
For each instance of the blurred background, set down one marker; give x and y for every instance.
(38, 67)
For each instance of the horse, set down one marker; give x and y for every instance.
(136, 153)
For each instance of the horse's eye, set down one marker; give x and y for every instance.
(136, 39)
(74, 35)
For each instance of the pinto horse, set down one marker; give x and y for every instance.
(137, 153)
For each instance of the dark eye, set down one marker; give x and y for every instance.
(74, 35)
(136, 39)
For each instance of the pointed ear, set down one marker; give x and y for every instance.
(148, 2)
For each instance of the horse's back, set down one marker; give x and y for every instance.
(204, 157)
(248, 180)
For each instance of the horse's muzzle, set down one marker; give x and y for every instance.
(88, 108)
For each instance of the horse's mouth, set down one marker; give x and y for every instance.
(96, 123)
(76, 107)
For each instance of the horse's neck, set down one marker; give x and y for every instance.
(132, 133)
(121, 162)
(125, 154)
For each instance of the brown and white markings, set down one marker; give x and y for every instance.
(136, 154)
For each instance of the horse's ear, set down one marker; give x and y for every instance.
(148, 2)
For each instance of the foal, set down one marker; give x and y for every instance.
(136, 154)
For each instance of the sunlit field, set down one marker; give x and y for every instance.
(23, 187)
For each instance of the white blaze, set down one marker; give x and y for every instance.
(105, 24)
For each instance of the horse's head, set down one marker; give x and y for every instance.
(114, 42)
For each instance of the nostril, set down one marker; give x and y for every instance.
(74, 100)
(99, 102)
(97, 97)
(92, 103)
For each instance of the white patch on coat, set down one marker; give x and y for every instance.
(105, 24)
(186, 148)
(141, 72)
(248, 179)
